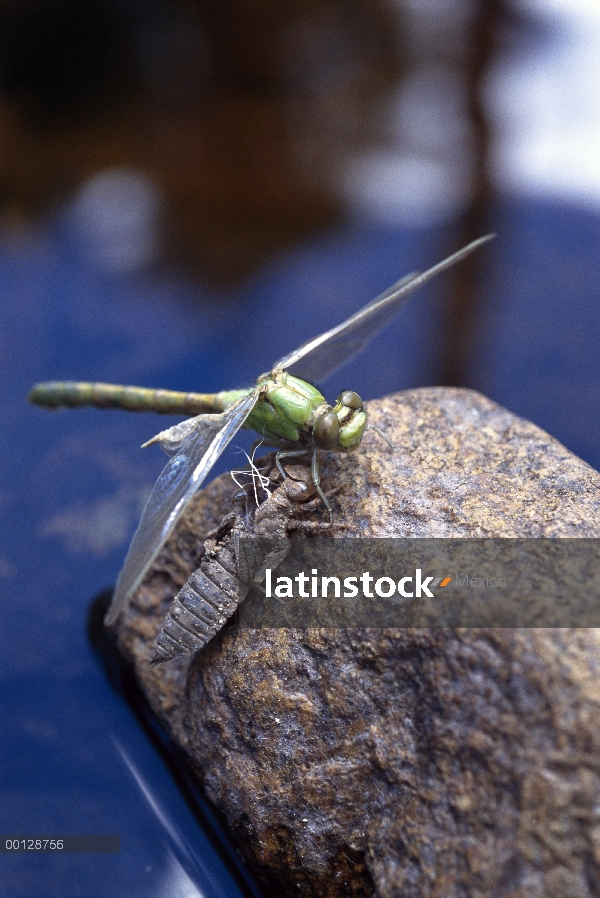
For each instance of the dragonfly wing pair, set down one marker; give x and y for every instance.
(177, 484)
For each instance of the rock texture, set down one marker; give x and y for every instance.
(401, 762)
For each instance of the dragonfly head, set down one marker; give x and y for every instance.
(342, 426)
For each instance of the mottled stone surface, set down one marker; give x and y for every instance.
(402, 762)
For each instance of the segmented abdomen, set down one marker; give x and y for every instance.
(54, 394)
(201, 607)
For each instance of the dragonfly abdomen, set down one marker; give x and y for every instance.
(201, 607)
(55, 394)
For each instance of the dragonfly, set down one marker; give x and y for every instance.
(284, 408)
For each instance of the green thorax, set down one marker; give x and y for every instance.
(286, 410)
(289, 407)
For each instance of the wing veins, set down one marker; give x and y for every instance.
(174, 489)
(377, 312)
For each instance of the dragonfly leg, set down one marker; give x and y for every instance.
(314, 503)
(288, 453)
(317, 482)
(381, 434)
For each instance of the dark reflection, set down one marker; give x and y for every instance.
(122, 679)
(242, 116)
(61, 59)
(464, 293)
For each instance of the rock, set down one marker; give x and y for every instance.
(405, 763)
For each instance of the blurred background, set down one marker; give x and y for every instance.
(190, 188)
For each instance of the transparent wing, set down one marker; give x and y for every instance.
(173, 490)
(320, 357)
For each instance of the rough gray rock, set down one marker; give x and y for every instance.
(401, 762)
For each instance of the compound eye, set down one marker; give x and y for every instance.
(326, 431)
(351, 400)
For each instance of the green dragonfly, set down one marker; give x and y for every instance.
(284, 408)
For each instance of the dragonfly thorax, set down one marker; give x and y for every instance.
(290, 410)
